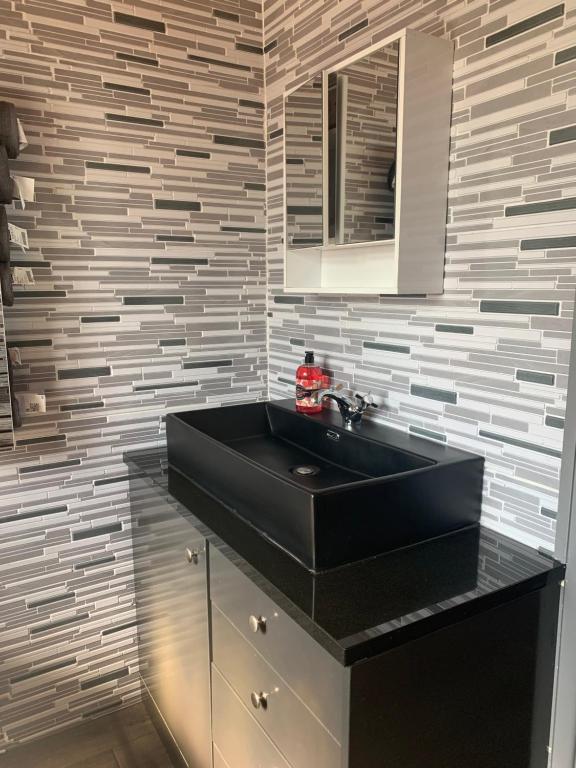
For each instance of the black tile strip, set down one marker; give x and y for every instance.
(219, 63)
(193, 153)
(444, 328)
(173, 385)
(551, 513)
(520, 443)
(49, 600)
(178, 262)
(133, 301)
(276, 134)
(562, 135)
(120, 627)
(554, 421)
(387, 347)
(97, 530)
(352, 31)
(307, 241)
(270, 46)
(520, 307)
(428, 433)
(82, 406)
(525, 25)
(431, 393)
(84, 373)
(239, 141)
(37, 671)
(33, 514)
(304, 210)
(38, 264)
(45, 467)
(140, 22)
(294, 161)
(297, 342)
(100, 319)
(543, 206)
(134, 120)
(126, 88)
(175, 238)
(250, 104)
(172, 342)
(536, 377)
(177, 205)
(118, 479)
(207, 364)
(117, 167)
(22, 343)
(108, 678)
(52, 625)
(253, 185)
(225, 15)
(285, 299)
(61, 438)
(568, 54)
(147, 61)
(255, 230)
(249, 48)
(284, 380)
(94, 563)
(545, 243)
(40, 294)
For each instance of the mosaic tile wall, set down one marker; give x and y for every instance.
(484, 366)
(145, 122)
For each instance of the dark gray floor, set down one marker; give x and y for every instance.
(124, 739)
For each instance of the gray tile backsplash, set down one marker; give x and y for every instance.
(136, 281)
(488, 360)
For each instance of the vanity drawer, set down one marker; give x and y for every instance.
(293, 728)
(238, 739)
(309, 670)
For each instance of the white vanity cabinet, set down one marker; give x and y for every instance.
(366, 171)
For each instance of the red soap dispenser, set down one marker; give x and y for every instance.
(309, 381)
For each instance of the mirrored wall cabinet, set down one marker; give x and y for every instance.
(366, 171)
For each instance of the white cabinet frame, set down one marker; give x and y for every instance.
(413, 262)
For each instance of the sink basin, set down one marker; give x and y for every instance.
(326, 494)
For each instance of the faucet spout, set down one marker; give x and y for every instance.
(351, 408)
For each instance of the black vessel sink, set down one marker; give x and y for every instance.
(326, 494)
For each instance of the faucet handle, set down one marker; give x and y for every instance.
(365, 401)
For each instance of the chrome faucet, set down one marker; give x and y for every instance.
(351, 407)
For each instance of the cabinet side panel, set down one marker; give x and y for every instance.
(172, 611)
(475, 694)
(425, 103)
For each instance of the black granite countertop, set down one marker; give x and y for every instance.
(365, 608)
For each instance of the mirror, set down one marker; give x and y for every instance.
(304, 165)
(362, 120)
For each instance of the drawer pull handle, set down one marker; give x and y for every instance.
(259, 700)
(257, 624)
(192, 555)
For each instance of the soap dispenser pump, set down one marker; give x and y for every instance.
(309, 383)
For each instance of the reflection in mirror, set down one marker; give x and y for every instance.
(304, 186)
(369, 88)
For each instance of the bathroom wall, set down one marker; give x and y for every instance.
(145, 122)
(484, 366)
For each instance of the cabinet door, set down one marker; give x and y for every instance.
(172, 599)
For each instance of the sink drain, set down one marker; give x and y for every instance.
(305, 470)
